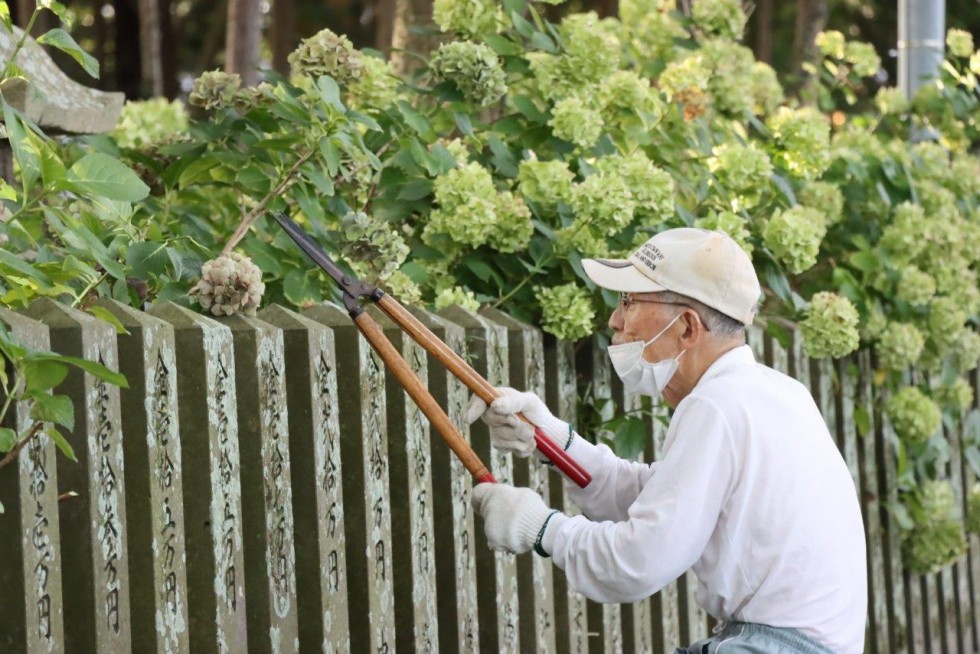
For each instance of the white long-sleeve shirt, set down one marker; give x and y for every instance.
(751, 492)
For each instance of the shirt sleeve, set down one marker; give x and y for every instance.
(615, 484)
(666, 528)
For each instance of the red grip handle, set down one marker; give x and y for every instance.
(560, 458)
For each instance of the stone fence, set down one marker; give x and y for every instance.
(264, 486)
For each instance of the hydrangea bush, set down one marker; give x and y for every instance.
(485, 176)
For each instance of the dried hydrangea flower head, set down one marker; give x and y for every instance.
(230, 284)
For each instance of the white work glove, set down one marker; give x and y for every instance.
(510, 433)
(514, 518)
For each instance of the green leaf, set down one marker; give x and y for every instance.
(146, 259)
(62, 444)
(8, 439)
(57, 409)
(7, 191)
(96, 369)
(464, 124)
(330, 92)
(501, 45)
(543, 42)
(99, 175)
(43, 375)
(17, 264)
(523, 27)
(299, 289)
(503, 158)
(60, 39)
(415, 190)
(865, 261)
(331, 156)
(25, 151)
(9, 26)
(415, 120)
(631, 438)
(104, 314)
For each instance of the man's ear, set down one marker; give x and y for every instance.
(693, 327)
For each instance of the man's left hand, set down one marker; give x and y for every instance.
(513, 517)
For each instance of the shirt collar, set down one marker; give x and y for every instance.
(738, 356)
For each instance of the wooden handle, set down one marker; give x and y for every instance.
(395, 363)
(476, 383)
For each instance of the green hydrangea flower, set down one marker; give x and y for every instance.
(959, 42)
(514, 228)
(824, 196)
(936, 499)
(651, 188)
(576, 122)
(975, 63)
(973, 509)
(626, 98)
(905, 237)
(891, 101)
(966, 350)
(215, 90)
(327, 53)
(831, 44)
(471, 18)
(899, 346)
(794, 237)
(802, 137)
(862, 57)
(957, 396)
(473, 68)
(766, 90)
(566, 311)
(376, 88)
(720, 17)
(928, 549)
(372, 246)
(732, 224)
(401, 287)
(604, 201)
(582, 238)
(744, 170)
(591, 45)
(456, 297)
(684, 81)
(467, 205)
(545, 182)
(651, 30)
(456, 148)
(830, 328)
(914, 416)
(148, 121)
(874, 322)
(946, 320)
(915, 287)
(731, 67)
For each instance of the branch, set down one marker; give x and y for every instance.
(12, 454)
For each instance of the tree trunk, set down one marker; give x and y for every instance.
(242, 40)
(151, 48)
(811, 17)
(396, 37)
(283, 34)
(168, 51)
(763, 31)
(127, 50)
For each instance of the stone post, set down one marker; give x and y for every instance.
(455, 564)
(155, 481)
(364, 456)
(212, 491)
(267, 503)
(535, 574)
(95, 564)
(30, 560)
(496, 573)
(318, 506)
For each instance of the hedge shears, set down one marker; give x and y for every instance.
(354, 291)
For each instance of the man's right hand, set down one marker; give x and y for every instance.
(510, 433)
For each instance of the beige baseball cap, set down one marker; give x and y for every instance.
(707, 266)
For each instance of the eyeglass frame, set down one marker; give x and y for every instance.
(626, 300)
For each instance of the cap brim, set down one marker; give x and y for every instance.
(619, 275)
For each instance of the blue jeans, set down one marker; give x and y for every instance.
(749, 638)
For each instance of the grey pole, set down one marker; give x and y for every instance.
(921, 42)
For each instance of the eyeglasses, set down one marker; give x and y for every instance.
(626, 301)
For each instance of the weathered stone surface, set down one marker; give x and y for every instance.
(452, 516)
(318, 506)
(212, 490)
(364, 456)
(267, 512)
(95, 564)
(52, 99)
(154, 478)
(30, 560)
(571, 625)
(525, 349)
(499, 616)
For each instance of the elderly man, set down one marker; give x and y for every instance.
(751, 491)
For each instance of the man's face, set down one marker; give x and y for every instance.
(640, 317)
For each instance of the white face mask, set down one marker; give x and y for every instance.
(638, 374)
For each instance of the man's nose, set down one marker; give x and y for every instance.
(616, 320)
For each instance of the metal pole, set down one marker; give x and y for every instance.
(921, 42)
